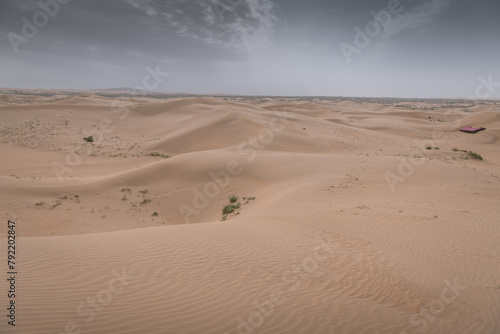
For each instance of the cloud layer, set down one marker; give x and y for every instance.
(238, 25)
(417, 17)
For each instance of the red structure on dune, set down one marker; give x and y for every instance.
(470, 129)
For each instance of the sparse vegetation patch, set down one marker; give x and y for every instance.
(158, 154)
(56, 204)
(470, 154)
(230, 208)
(234, 206)
(474, 155)
(145, 201)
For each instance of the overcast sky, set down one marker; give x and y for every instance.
(415, 48)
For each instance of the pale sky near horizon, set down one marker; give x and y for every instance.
(415, 48)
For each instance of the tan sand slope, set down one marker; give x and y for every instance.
(356, 226)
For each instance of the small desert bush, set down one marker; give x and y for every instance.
(157, 154)
(57, 203)
(230, 208)
(248, 199)
(474, 155)
(89, 139)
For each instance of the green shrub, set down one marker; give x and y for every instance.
(474, 155)
(233, 198)
(230, 208)
(157, 154)
(58, 202)
(89, 139)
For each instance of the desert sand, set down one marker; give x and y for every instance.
(354, 217)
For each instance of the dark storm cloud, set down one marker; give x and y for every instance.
(430, 47)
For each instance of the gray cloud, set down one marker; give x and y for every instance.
(238, 25)
(417, 17)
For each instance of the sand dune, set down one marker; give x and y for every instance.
(367, 217)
